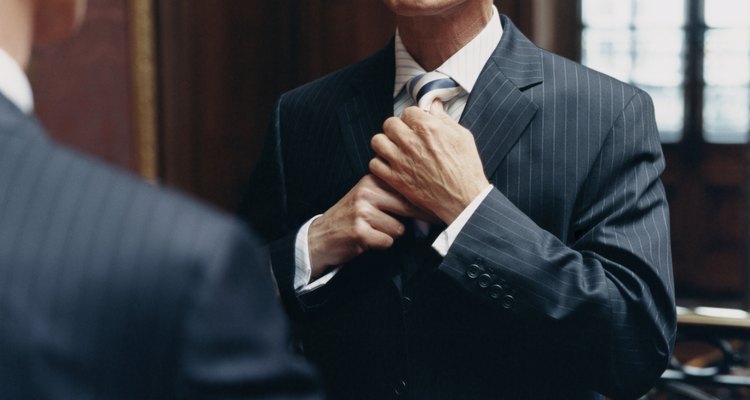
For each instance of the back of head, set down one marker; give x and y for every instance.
(24, 23)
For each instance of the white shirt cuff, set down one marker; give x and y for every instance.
(446, 238)
(303, 265)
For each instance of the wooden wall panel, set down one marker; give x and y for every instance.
(221, 65)
(554, 25)
(82, 87)
(335, 33)
(706, 198)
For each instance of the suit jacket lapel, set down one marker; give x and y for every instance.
(370, 104)
(498, 111)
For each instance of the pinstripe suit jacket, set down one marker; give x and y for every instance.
(560, 284)
(113, 289)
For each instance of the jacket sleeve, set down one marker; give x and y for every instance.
(265, 208)
(606, 297)
(236, 342)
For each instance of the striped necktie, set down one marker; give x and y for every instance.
(427, 87)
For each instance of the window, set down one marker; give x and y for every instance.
(678, 50)
(693, 58)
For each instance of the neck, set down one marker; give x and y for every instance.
(16, 33)
(432, 39)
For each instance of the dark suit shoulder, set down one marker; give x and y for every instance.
(576, 80)
(326, 89)
(109, 264)
(335, 87)
(91, 213)
(181, 226)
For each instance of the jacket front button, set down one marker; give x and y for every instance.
(400, 388)
(484, 281)
(507, 302)
(406, 304)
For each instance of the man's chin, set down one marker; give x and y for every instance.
(421, 8)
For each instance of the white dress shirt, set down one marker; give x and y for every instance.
(14, 84)
(464, 67)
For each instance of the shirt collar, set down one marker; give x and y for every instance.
(14, 84)
(464, 66)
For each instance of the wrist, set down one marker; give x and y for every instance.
(317, 263)
(463, 199)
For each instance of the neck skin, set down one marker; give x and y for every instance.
(432, 39)
(16, 33)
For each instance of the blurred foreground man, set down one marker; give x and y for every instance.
(507, 238)
(110, 288)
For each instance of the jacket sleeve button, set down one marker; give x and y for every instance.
(400, 388)
(406, 304)
(473, 271)
(484, 281)
(507, 302)
(495, 291)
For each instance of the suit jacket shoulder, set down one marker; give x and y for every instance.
(334, 88)
(123, 289)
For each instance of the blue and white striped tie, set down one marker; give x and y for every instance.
(427, 87)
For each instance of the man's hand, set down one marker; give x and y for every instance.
(360, 221)
(431, 160)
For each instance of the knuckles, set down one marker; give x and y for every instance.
(362, 193)
(414, 145)
(432, 125)
(359, 231)
(412, 114)
(361, 210)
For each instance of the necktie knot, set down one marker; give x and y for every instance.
(427, 87)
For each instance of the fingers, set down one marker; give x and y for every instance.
(425, 122)
(386, 224)
(385, 148)
(397, 131)
(374, 228)
(357, 222)
(415, 118)
(381, 169)
(380, 241)
(386, 198)
(376, 240)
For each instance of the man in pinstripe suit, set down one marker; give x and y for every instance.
(111, 288)
(547, 271)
